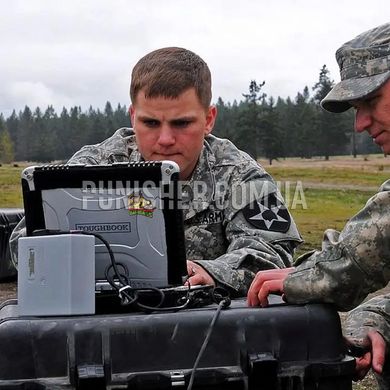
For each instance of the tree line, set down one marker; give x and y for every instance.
(262, 126)
(296, 127)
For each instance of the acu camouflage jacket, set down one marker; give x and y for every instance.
(351, 265)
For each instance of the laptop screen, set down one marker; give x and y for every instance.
(133, 206)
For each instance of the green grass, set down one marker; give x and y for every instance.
(326, 209)
(10, 188)
(357, 176)
(341, 192)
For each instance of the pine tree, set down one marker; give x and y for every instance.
(225, 125)
(302, 125)
(121, 117)
(271, 132)
(330, 132)
(12, 124)
(6, 144)
(248, 121)
(24, 135)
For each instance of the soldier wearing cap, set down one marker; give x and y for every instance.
(235, 220)
(355, 261)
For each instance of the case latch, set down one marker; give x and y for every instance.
(262, 371)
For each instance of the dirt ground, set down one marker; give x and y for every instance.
(7, 291)
(365, 163)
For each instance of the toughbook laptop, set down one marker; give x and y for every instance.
(133, 206)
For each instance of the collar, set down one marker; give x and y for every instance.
(199, 190)
(132, 149)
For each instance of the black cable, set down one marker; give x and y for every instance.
(114, 265)
(223, 304)
(161, 309)
(130, 295)
(121, 265)
(124, 281)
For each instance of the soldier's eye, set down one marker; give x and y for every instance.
(181, 123)
(152, 123)
(371, 101)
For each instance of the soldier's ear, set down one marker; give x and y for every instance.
(132, 114)
(211, 116)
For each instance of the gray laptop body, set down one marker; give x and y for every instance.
(133, 206)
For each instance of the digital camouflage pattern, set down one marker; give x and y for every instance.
(351, 264)
(371, 315)
(356, 261)
(219, 236)
(364, 64)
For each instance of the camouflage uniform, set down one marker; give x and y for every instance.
(352, 263)
(372, 315)
(356, 261)
(219, 236)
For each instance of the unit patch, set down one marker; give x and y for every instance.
(268, 213)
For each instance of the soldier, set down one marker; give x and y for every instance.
(356, 261)
(235, 219)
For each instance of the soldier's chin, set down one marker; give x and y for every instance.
(170, 157)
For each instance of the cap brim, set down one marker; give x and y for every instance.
(337, 100)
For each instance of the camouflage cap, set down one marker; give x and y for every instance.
(364, 67)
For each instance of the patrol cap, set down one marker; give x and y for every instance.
(364, 67)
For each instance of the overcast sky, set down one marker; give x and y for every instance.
(75, 52)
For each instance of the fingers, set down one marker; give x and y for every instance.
(268, 287)
(264, 283)
(361, 350)
(378, 351)
(190, 267)
(196, 279)
(197, 275)
(375, 358)
(363, 365)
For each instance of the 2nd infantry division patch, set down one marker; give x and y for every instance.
(268, 213)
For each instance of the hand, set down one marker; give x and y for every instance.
(197, 275)
(265, 283)
(374, 358)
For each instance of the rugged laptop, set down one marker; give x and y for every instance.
(133, 206)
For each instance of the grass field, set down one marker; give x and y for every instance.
(10, 189)
(334, 190)
(326, 209)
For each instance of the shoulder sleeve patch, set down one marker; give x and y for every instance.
(269, 213)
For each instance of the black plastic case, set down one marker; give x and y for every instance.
(9, 218)
(281, 347)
